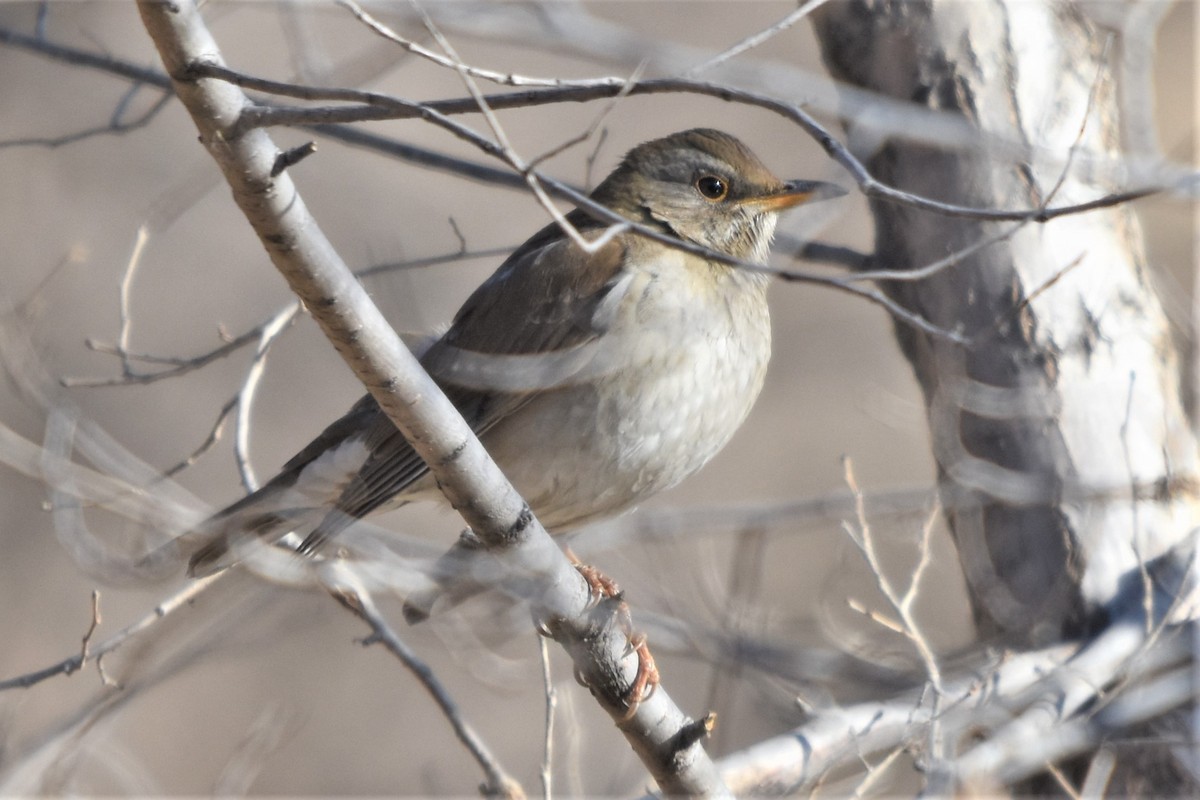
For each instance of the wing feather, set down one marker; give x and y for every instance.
(542, 301)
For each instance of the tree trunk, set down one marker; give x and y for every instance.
(1065, 458)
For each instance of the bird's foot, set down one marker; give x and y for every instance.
(647, 678)
(603, 588)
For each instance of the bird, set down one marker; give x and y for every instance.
(594, 376)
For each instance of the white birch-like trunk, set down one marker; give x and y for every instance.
(1065, 458)
(1064, 453)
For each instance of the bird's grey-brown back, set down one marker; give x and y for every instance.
(642, 360)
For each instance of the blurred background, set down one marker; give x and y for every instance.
(265, 689)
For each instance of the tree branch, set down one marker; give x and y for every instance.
(471, 481)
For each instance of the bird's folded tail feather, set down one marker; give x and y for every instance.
(302, 499)
(222, 540)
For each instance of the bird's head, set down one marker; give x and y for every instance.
(706, 187)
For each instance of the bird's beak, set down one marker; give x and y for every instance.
(796, 192)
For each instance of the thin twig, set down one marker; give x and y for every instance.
(559, 92)
(182, 366)
(952, 260)
(84, 652)
(507, 151)
(126, 289)
(1135, 521)
(271, 331)
(590, 161)
(876, 771)
(160, 612)
(214, 435)
(115, 126)
(547, 771)
(449, 60)
(750, 42)
(1063, 782)
(462, 240)
(378, 106)
(1101, 70)
(903, 605)
(345, 586)
(596, 122)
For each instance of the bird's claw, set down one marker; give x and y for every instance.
(601, 588)
(647, 678)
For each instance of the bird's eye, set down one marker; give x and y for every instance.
(712, 187)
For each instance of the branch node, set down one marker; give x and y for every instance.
(289, 158)
(506, 788)
(694, 731)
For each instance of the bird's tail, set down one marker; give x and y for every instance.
(261, 518)
(223, 539)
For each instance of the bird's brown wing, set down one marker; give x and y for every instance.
(541, 303)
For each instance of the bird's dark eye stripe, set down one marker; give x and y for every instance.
(712, 187)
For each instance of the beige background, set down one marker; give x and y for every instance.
(341, 719)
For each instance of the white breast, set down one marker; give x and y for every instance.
(678, 371)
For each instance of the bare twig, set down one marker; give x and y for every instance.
(507, 151)
(271, 331)
(214, 435)
(875, 772)
(182, 366)
(160, 612)
(380, 107)
(903, 605)
(547, 771)
(135, 259)
(952, 260)
(84, 650)
(558, 91)
(592, 126)
(1036, 701)
(750, 42)
(345, 586)
(590, 162)
(1063, 782)
(1135, 518)
(1101, 70)
(116, 125)
(462, 240)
